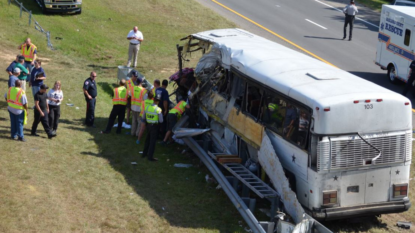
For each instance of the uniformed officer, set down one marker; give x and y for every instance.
(152, 117)
(90, 92)
(350, 12)
(119, 102)
(174, 115)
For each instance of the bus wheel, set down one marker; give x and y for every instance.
(392, 74)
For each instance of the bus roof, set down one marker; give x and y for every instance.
(294, 74)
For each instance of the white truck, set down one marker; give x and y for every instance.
(395, 48)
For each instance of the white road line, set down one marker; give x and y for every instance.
(315, 23)
(342, 12)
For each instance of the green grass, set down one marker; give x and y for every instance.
(374, 4)
(83, 181)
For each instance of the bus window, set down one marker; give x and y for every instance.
(238, 90)
(290, 124)
(273, 112)
(224, 86)
(252, 101)
(303, 127)
(407, 39)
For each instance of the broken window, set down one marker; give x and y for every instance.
(273, 111)
(286, 118)
(238, 89)
(252, 101)
(224, 86)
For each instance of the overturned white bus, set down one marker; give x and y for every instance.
(344, 143)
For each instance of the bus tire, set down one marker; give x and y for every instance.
(392, 74)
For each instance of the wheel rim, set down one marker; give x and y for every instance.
(392, 74)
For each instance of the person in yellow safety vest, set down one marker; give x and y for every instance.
(275, 115)
(28, 51)
(152, 117)
(119, 102)
(17, 107)
(144, 104)
(174, 115)
(131, 83)
(138, 95)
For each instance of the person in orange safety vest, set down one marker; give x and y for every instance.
(119, 102)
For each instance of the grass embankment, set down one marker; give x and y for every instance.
(374, 4)
(81, 180)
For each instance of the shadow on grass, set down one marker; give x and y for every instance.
(108, 88)
(363, 224)
(179, 195)
(102, 67)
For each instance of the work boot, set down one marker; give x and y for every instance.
(153, 160)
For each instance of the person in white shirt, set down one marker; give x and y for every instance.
(135, 37)
(55, 98)
(350, 11)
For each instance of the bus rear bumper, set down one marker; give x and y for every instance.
(362, 210)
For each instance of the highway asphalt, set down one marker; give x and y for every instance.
(317, 27)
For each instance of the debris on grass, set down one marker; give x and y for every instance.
(134, 163)
(70, 105)
(404, 225)
(124, 125)
(183, 165)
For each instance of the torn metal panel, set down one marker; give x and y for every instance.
(229, 108)
(303, 227)
(249, 128)
(272, 166)
(285, 227)
(186, 132)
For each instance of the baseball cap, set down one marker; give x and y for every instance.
(134, 73)
(44, 86)
(139, 80)
(16, 70)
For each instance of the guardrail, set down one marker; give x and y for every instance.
(37, 25)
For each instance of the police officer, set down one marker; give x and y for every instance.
(350, 12)
(152, 117)
(119, 102)
(90, 92)
(148, 101)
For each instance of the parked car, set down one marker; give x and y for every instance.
(404, 3)
(60, 6)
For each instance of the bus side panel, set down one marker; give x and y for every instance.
(355, 181)
(399, 175)
(246, 126)
(381, 46)
(292, 158)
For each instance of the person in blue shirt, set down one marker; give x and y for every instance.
(13, 77)
(37, 77)
(12, 65)
(164, 105)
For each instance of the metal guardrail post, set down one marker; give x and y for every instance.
(30, 17)
(21, 9)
